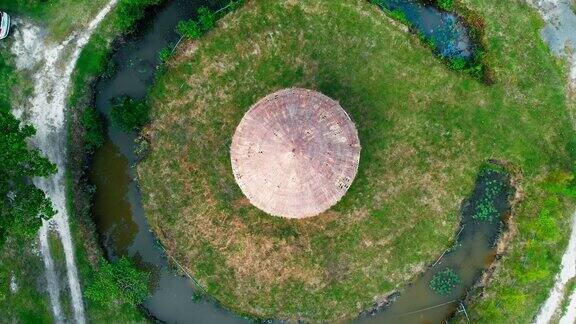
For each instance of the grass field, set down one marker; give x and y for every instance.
(61, 17)
(424, 130)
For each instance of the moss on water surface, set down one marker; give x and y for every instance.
(424, 130)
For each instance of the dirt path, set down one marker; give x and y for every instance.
(52, 66)
(560, 35)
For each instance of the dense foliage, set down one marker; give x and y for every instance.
(189, 28)
(129, 114)
(92, 123)
(444, 282)
(117, 282)
(130, 11)
(23, 205)
(446, 4)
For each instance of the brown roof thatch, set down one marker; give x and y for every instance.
(295, 153)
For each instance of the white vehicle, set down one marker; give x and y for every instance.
(4, 24)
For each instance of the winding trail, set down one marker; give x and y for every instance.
(560, 35)
(55, 64)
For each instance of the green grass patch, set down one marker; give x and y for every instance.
(118, 281)
(424, 129)
(61, 17)
(22, 266)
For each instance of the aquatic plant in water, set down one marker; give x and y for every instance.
(444, 282)
(485, 209)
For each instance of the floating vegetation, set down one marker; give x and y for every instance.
(492, 188)
(444, 281)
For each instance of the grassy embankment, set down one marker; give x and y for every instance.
(569, 289)
(93, 63)
(424, 129)
(30, 302)
(61, 17)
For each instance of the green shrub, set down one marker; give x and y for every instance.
(189, 28)
(206, 19)
(165, 54)
(119, 281)
(92, 123)
(130, 11)
(23, 206)
(235, 4)
(446, 4)
(444, 282)
(129, 114)
(458, 64)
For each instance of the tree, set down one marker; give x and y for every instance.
(23, 205)
(119, 282)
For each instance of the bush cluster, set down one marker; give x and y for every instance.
(91, 121)
(206, 20)
(447, 5)
(130, 11)
(23, 206)
(118, 281)
(129, 114)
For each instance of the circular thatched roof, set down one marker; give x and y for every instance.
(295, 153)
